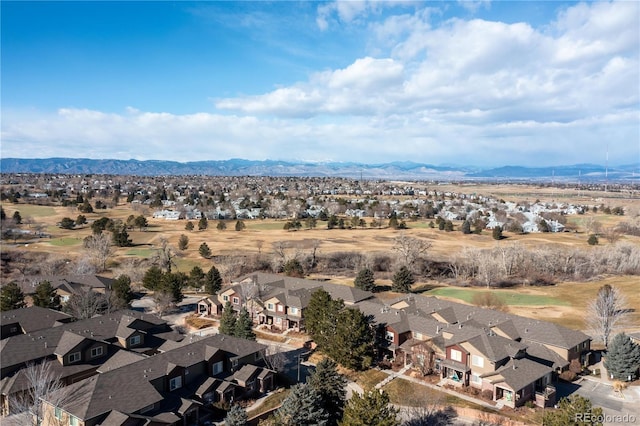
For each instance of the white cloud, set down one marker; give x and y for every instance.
(464, 91)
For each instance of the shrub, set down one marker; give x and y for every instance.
(568, 376)
(487, 394)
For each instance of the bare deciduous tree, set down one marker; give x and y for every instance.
(607, 313)
(275, 358)
(165, 255)
(163, 302)
(100, 250)
(40, 382)
(86, 303)
(409, 249)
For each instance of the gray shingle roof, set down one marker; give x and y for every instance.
(34, 318)
(518, 373)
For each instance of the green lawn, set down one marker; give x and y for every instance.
(258, 225)
(509, 297)
(141, 252)
(65, 241)
(32, 210)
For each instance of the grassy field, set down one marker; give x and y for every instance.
(564, 303)
(65, 242)
(508, 297)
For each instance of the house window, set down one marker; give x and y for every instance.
(74, 421)
(74, 357)
(477, 361)
(476, 379)
(95, 352)
(225, 298)
(270, 306)
(57, 412)
(417, 335)
(278, 320)
(134, 340)
(390, 335)
(236, 300)
(280, 308)
(14, 329)
(175, 383)
(294, 311)
(456, 355)
(217, 368)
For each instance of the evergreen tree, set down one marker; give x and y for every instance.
(203, 223)
(321, 316)
(293, 268)
(213, 281)
(196, 277)
(189, 226)
(122, 290)
(243, 327)
(11, 297)
(152, 278)
(302, 407)
(228, 320)
(497, 233)
(183, 242)
(236, 416)
(353, 342)
(593, 240)
(393, 221)
(140, 222)
(330, 387)
(571, 411)
(403, 280)
(81, 220)
(172, 283)
(365, 280)
(623, 358)
(204, 250)
(17, 218)
(332, 222)
(466, 227)
(370, 409)
(67, 223)
(121, 238)
(240, 225)
(46, 296)
(221, 226)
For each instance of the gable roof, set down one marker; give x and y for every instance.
(34, 318)
(518, 373)
(495, 348)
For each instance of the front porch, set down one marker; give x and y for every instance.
(454, 373)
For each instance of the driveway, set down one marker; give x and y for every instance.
(601, 394)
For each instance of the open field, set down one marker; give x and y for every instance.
(563, 303)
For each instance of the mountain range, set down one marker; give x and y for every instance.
(392, 170)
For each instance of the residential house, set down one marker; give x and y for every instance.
(30, 319)
(173, 387)
(66, 285)
(76, 350)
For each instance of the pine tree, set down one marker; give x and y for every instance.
(623, 358)
(196, 277)
(121, 237)
(243, 327)
(403, 280)
(204, 250)
(172, 283)
(11, 297)
(213, 281)
(122, 290)
(228, 320)
(152, 278)
(302, 407)
(203, 223)
(221, 226)
(240, 225)
(236, 416)
(593, 240)
(365, 280)
(321, 316)
(393, 221)
(466, 227)
(17, 218)
(569, 412)
(497, 233)
(353, 342)
(370, 409)
(46, 296)
(188, 226)
(183, 242)
(293, 268)
(330, 386)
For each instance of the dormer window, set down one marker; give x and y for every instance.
(236, 300)
(175, 383)
(134, 340)
(294, 311)
(96, 352)
(74, 357)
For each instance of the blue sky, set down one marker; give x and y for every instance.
(475, 82)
